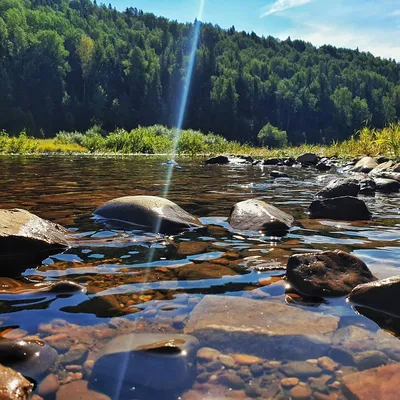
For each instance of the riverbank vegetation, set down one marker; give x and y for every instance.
(161, 140)
(68, 65)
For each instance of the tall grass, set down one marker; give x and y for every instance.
(158, 139)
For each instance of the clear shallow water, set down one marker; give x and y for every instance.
(152, 281)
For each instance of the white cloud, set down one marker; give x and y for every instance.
(395, 13)
(281, 5)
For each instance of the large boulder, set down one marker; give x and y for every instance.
(13, 386)
(367, 184)
(380, 383)
(148, 212)
(31, 358)
(344, 208)
(218, 160)
(329, 273)
(387, 185)
(366, 164)
(340, 187)
(159, 362)
(257, 215)
(264, 329)
(26, 239)
(308, 159)
(378, 295)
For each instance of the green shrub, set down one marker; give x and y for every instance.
(272, 137)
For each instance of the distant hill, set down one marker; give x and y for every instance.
(66, 65)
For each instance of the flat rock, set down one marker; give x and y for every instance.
(387, 185)
(148, 212)
(367, 184)
(205, 270)
(370, 359)
(340, 187)
(257, 215)
(340, 208)
(278, 174)
(272, 161)
(191, 248)
(13, 386)
(30, 358)
(79, 390)
(374, 384)
(26, 239)
(161, 362)
(329, 273)
(308, 158)
(366, 164)
(378, 295)
(301, 369)
(264, 329)
(218, 160)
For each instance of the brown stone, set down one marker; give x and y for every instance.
(300, 392)
(329, 273)
(204, 270)
(289, 382)
(190, 248)
(264, 329)
(78, 390)
(13, 386)
(374, 384)
(48, 386)
(245, 359)
(327, 364)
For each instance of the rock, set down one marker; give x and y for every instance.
(257, 215)
(218, 160)
(323, 166)
(329, 273)
(205, 270)
(300, 392)
(374, 384)
(367, 185)
(231, 380)
(272, 161)
(78, 390)
(366, 164)
(340, 208)
(289, 161)
(30, 358)
(340, 187)
(191, 248)
(208, 354)
(246, 359)
(387, 185)
(74, 355)
(370, 359)
(382, 159)
(378, 295)
(383, 166)
(289, 382)
(301, 369)
(59, 288)
(13, 386)
(161, 362)
(149, 212)
(26, 240)
(327, 364)
(264, 329)
(278, 174)
(48, 386)
(308, 159)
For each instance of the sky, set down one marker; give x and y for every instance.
(370, 25)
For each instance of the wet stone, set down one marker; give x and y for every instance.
(13, 386)
(253, 390)
(78, 390)
(227, 361)
(231, 380)
(300, 392)
(191, 248)
(76, 354)
(327, 364)
(218, 160)
(370, 359)
(288, 383)
(300, 369)
(245, 359)
(48, 386)
(256, 369)
(340, 187)
(365, 165)
(387, 185)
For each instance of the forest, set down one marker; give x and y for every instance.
(66, 65)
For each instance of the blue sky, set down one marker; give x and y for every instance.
(370, 25)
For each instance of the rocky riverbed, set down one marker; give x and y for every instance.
(271, 279)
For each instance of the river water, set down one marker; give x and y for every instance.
(139, 282)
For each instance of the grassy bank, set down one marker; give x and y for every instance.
(160, 140)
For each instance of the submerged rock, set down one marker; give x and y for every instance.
(160, 362)
(340, 187)
(374, 384)
(366, 164)
(148, 212)
(378, 295)
(30, 358)
(340, 208)
(257, 215)
(265, 329)
(79, 390)
(330, 273)
(13, 386)
(26, 239)
(12, 286)
(387, 185)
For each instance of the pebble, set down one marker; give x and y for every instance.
(289, 382)
(227, 361)
(74, 355)
(244, 359)
(301, 369)
(208, 354)
(231, 380)
(214, 365)
(48, 386)
(327, 364)
(300, 392)
(74, 368)
(256, 369)
(275, 364)
(253, 390)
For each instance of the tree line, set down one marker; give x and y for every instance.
(70, 64)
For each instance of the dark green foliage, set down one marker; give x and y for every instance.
(272, 137)
(70, 64)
